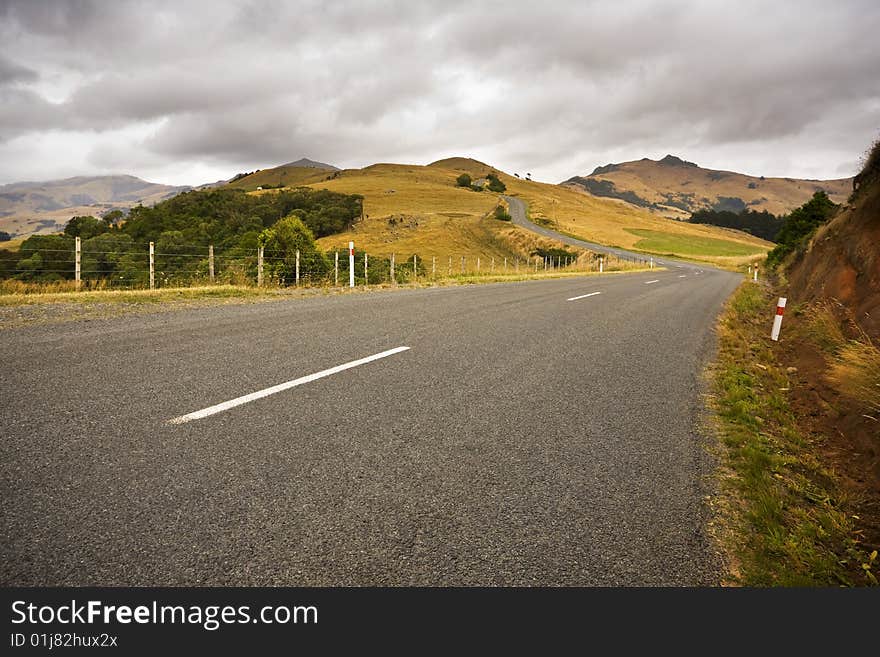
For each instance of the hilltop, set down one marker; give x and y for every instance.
(302, 172)
(675, 188)
(44, 207)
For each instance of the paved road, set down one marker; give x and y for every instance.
(518, 215)
(522, 439)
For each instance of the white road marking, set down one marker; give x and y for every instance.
(281, 387)
(656, 280)
(584, 296)
(682, 275)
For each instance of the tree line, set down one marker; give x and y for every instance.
(229, 219)
(760, 224)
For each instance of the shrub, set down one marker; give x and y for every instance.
(464, 180)
(495, 184)
(501, 214)
(280, 244)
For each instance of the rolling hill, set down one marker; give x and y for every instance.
(44, 207)
(292, 174)
(419, 209)
(675, 188)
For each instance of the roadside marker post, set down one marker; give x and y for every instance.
(153, 265)
(297, 267)
(366, 270)
(601, 265)
(777, 319)
(415, 267)
(393, 280)
(336, 269)
(211, 262)
(433, 266)
(78, 263)
(756, 274)
(351, 264)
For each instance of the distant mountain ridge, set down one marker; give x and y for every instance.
(675, 188)
(45, 206)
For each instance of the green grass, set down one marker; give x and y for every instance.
(655, 241)
(786, 521)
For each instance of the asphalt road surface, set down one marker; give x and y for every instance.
(522, 439)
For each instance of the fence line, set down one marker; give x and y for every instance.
(171, 266)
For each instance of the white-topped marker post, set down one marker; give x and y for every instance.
(777, 319)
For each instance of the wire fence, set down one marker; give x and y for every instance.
(186, 265)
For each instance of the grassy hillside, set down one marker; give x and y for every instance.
(619, 224)
(676, 188)
(283, 176)
(419, 209)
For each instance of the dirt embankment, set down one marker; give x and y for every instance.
(842, 263)
(840, 274)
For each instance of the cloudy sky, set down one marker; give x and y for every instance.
(191, 92)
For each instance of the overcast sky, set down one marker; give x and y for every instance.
(191, 92)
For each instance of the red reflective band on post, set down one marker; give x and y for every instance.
(780, 309)
(351, 252)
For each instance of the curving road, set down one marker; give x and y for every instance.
(518, 215)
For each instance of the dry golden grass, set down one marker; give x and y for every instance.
(855, 374)
(419, 209)
(49, 293)
(287, 176)
(607, 222)
(13, 244)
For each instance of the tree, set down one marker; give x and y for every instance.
(46, 257)
(4, 236)
(85, 227)
(114, 217)
(495, 184)
(280, 244)
(464, 180)
(800, 225)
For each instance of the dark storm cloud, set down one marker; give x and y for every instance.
(11, 72)
(552, 89)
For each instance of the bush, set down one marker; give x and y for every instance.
(555, 252)
(495, 184)
(501, 214)
(464, 180)
(280, 244)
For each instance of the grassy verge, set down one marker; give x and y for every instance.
(786, 520)
(248, 292)
(137, 296)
